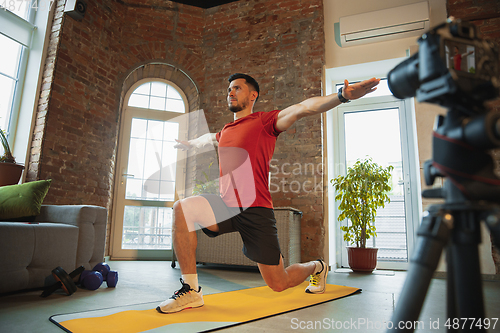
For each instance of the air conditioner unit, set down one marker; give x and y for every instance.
(381, 25)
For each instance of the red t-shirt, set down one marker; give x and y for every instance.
(457, 62)
(246, 147)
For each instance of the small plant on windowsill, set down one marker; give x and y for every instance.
(7, 155)
(361, 192)
(10, 171)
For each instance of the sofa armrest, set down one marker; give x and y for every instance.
(91, 221)
(72, 214)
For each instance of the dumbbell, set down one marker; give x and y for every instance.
(93, 279)
(64, 281)
(111, 277)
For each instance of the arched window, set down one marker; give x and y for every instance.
(157, 95)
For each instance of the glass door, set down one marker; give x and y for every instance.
(150, 173)
(379, 131)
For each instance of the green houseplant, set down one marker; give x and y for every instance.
(361, 192)
(10, 171)
(206, 186)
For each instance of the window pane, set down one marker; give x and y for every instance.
(143, 89)
(147, 228)
(152, 189)
(173, 93)
(159, 89)
(134, 189)
(6, 93)
(381, 142)
(135, 167)
(19, 7)
(169, 159)
(153, 159)
(167, 191)
(140, 101)
(168, 169)
(9, 56)
(157, 103)
(175, 105)
(155, 130)
(139, 127)
(376, 133)
(153, 95)
(171, 131)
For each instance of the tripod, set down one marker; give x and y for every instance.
(472, 194)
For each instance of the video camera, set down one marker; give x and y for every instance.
(456, 69)
(432, 74)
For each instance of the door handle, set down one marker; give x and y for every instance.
(126, 175)
(404, 182)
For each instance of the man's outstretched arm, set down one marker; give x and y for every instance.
(311, 106)
(200, 142)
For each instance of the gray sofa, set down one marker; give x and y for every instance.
(61, 235)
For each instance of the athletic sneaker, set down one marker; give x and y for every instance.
(184, 298)
(317, 282)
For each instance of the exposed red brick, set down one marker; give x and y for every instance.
(74, 142)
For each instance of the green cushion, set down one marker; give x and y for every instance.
(22, 200)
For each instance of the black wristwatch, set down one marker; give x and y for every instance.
(342, 99)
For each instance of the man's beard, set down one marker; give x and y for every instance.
(238, 107)
(235, 108)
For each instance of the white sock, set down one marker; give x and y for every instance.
(192, 280)
(318, 268)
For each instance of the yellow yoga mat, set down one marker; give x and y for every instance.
(220, 310)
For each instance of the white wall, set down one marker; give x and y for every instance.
(337, 56)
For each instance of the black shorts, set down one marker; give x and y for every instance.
(256, 225)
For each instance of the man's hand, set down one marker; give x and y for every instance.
(315, 105)
(358, 90)
(184, 145)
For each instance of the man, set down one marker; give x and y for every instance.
(245, 149)
(457, 58)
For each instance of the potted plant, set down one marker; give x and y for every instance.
(361, 192)
(206, 186)
(10, 171)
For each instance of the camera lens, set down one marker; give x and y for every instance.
(403, 79)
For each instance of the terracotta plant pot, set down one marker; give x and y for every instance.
(362, 259)
(10, 173)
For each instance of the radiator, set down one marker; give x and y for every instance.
(228, 248)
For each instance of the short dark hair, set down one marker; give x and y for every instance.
(250, 81)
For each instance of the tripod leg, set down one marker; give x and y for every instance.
(433, 235)
(451, 309)
(468, 291)
(493, 223)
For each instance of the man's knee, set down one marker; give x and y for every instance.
(278, 286)
(177, 210)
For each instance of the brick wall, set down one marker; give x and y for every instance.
(280, 43)
(485, 15)
(43, 102)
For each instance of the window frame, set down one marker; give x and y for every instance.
(24, 111)
(167, 83)
(355, 73)
(21, 31)
(128, 112)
